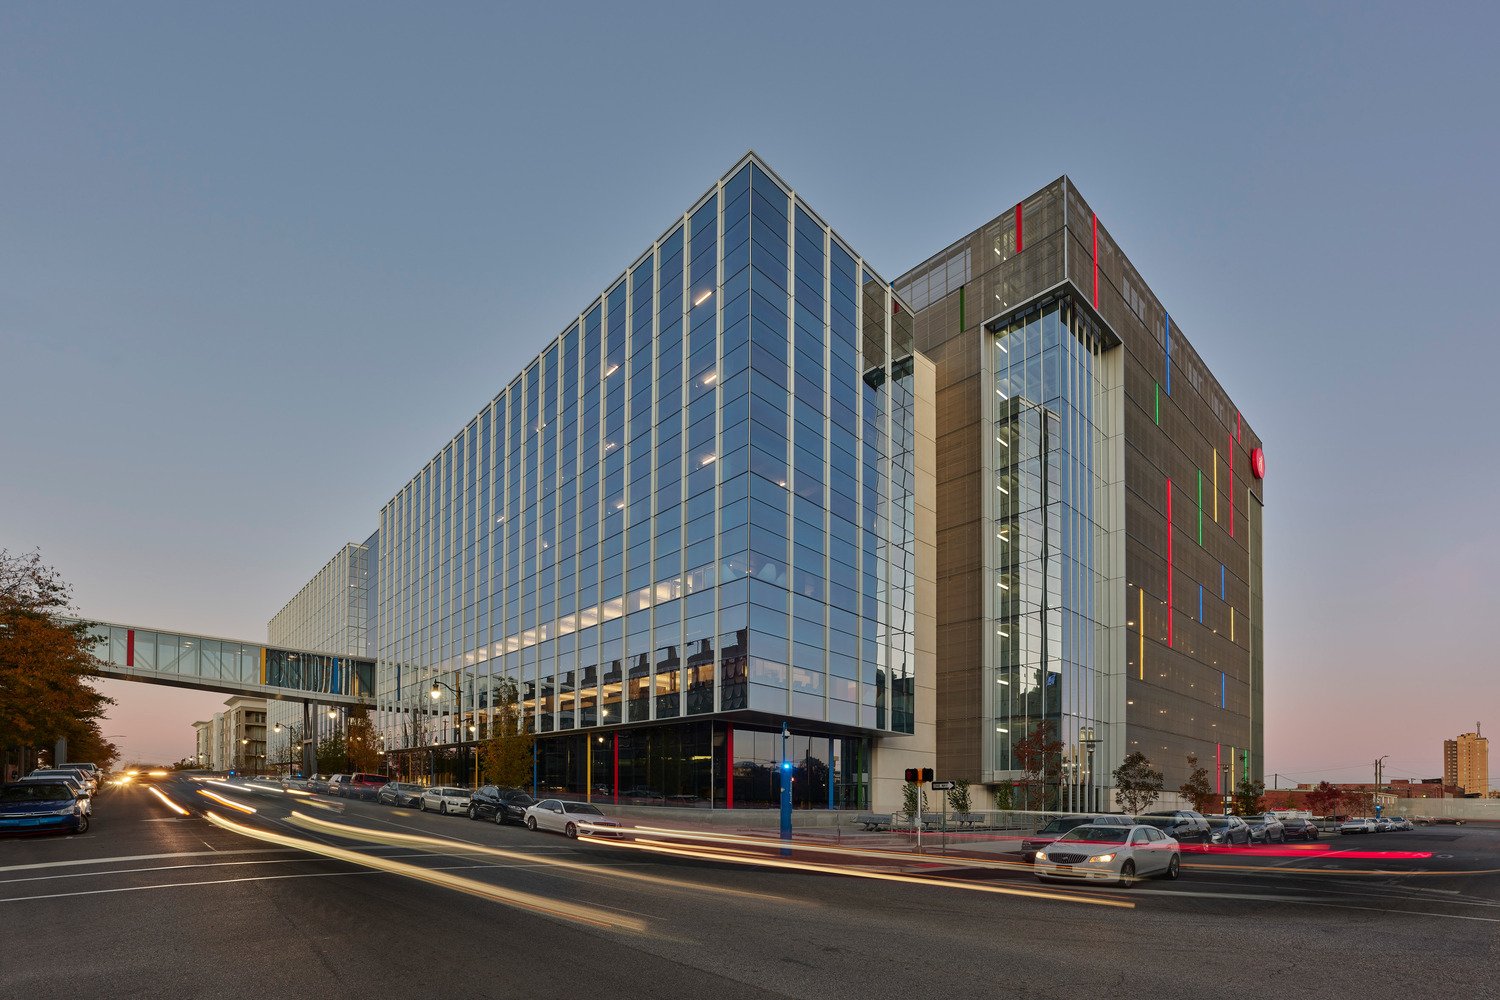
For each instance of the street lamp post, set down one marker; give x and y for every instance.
(437, 693)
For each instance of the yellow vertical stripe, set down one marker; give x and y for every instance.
(1141, 621)
(1216, 486)
(1231, 624)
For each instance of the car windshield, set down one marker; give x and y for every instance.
(520, 799)
(1063, 825)
(1097, 834)
(1218, 822)
(39, 791)
(581, 808)
(455, 793)
(1160, 822)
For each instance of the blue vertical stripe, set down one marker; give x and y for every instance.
(1200, 602)
(1223, 690)
(1222, 590)
(1166, 336)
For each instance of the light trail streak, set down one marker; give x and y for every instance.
(170, 804)
(679, 850)
(947, 860)
(510, 897)
(460, 847)
(221, 800)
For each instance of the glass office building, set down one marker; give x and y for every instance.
(1099, 500)
(692, 518)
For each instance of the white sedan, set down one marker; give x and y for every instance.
(1358, 824)
(1119, 854)
(570, 818)
(446, 800)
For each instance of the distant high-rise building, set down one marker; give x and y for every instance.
(1466, 762)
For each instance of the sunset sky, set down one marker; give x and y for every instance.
(258, 262)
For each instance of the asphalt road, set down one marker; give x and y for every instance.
(149, 903)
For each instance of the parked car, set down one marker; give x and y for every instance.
(569, 818)
(1358, 824)
(1297, 828)
(1266, 829)
(445, 800)
(295, 781)
(1060, 825)
(336, 785)
(28, 806)
(1120, 854)
(503, 805)
(400, 793)
(1445, 821)
(1186, 826)
(74, 783)
(318, 783)
(90, 769)
(363, 785)
(1226, 831)
(1400, 823)
(1384, 825)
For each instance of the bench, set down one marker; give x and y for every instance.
(874, 821)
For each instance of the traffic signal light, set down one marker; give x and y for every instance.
(918, 775)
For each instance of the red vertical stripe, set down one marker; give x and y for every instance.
(1219, 767)
(1229, 460)
(1170, 596)
(130, 647)
(1096, 260)
(729, 767)
(1018, 228)
(617, 769)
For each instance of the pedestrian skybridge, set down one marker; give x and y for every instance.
(208, 663)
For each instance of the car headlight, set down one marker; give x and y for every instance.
(1217, 838)
(1103, 859)
(1041, 855)
(66, 810)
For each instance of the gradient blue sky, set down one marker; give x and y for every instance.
(257, 262)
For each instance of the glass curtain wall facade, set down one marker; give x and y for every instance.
(697, 502)
(1044, 567)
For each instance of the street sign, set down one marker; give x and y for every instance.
(942, 786)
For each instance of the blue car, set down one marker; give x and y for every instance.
(34, 806)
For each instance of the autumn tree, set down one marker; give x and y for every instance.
(1196, 788)
(1325, 799)
(1035, 753)
(363, 744)
(506, 756)
(1137, 783)
(46, 662)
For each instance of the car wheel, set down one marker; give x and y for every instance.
(1127, 874)
(82, 826)
(443, 808)
(500, 817)
(473, 813)
(571, 830)
(531, 823)
(1174, 869)
(422, 804)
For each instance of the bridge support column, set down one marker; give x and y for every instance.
(309, 741)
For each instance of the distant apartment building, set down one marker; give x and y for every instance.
(1466, 762)
(235, 739)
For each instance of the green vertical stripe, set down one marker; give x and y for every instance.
(1158, 404)
(961, 323)
(1200, 506)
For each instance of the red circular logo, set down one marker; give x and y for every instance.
(1258, 463)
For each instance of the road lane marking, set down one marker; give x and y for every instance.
(141, 857)
(177, 885)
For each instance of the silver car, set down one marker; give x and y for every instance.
(445, 800)
(1116, 854)
(570, 819)
(1358, 824)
